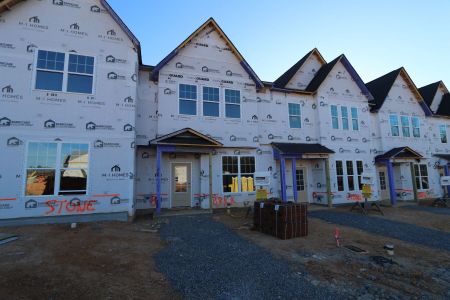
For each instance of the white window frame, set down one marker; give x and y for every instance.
(391, 125)
(334, 117)
(57, 169)
(420, 187)
(291, 115)
(185, 99)
(413, 127)
(225, 104)
(354, 118)
(65, 72)
(239, 174)
(443, 126)
(219, 103)
(408, 127)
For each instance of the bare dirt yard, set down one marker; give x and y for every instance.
(105, 260)
(416, 271)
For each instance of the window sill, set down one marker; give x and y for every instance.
(62, 92)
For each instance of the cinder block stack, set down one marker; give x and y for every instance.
(282, 220)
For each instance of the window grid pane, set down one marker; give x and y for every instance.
(50, 60)
(188, 97)
(355, 125)
(81, 64)
(344, 114)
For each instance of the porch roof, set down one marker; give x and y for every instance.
(443, 156)
(186, 137)
(399, 152)
(301, 148)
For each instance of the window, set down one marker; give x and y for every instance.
(421, 176)
(210, 101)
(238, 174)
(56, 71)
(350, 176)
(334, 117)
(300, 177)
(382, 177)
(294, 115)
(56, 169)
(394, 125)
(355, 118)
(339, 175)
(188, 99)
(359, 171)
(344, 114)
(416, 126)
(80, 76)
(50, 70)
(232, 104)
(405, 126)
(443, 133)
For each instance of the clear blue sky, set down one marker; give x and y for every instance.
(376, 36)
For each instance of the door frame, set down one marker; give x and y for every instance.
(305, 183)
(171, 179)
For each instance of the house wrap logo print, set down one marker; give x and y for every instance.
(5, 121)
(8, 89)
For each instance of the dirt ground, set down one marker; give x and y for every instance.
(108, 260)
(420, 270)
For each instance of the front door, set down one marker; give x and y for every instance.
(383, 184)
(181, 184)
(301, 185)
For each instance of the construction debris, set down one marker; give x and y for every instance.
(6, 238)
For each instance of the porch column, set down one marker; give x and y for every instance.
(447, 173)
(413, 178)
(158, 180)
(294, 179)
(283, 178)
(210, 181)
(392, 193)
(328, 182)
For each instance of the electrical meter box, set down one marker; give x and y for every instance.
(262, 178)
(367, 178)
(445, 180)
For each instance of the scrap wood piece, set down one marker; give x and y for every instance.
(6, 238)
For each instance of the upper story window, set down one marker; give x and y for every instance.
(405, 126)
(232, 104)
(211, 102)
(56, 169)
(443, 133)
(354, 118)
(294, 115)
(188, 99)
(394, 125)
(344, 114)
(334, 117)
(416, 126)
(61, 72)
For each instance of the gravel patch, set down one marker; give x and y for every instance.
(206, 260)
(403, 231)
(431, 209)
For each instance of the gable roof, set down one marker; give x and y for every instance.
(429, 91)
(444, 106)
(381, 86)
(186, 137)
(213, 23)
(323, 72)
(399, 152)
(8, 5)
(284, 79)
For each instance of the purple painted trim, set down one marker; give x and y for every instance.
(162, 63)
(294, 179)
(356, 77)
(283, 178)
(252, 74)
(276, 154)
(158, 179)
(447, 173)
(392, 193)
